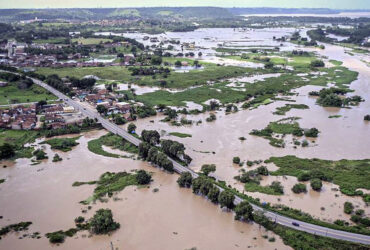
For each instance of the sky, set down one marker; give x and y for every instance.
(333, 4)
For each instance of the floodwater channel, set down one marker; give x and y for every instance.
(174, 218)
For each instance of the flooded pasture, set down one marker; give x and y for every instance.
(174, 218)
(171, 218)
(217, 142)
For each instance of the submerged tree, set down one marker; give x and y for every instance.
(102, 222)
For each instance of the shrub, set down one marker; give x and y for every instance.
(185, 180)
(262, 170)
(102, 222)
(57, 158)
(330, 100)
(236, 160)
(208, 168)
(243, 211)
(6, 151)
(142, 177)
(312, 132)
(317, 63)
(79, 219)
(198, 184)
(277, 187)
(213, 194)
(212, 117)
(304, 177)
(299, 188)
(40, 155)
(340, 222)
(316, 184)
(348, 207)
(57, 238)
(360, 212)
(226, 199)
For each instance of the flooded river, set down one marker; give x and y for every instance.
(171, 218)
(174, 218)
(341, 138)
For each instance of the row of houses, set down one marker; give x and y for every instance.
(16, 56)
(25, 118)
(19, 117)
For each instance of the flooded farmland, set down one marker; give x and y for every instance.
(217, 142)
(171, 218)
(175, 218)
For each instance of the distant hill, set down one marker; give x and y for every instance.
(9, 15)
(245, 11)
(175, 13)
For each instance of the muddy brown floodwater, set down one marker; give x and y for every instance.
(174, 218)
(340, 138)
(171, 218)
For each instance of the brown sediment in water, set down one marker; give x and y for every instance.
(174, 218)
(171, 218)
(342, 138)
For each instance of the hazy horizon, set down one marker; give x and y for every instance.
(36, 4)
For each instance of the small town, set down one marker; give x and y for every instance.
(196, 125)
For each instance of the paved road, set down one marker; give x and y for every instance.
(286, 221)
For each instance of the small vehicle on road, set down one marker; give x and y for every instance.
(295, 224)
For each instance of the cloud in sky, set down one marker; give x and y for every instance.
(333, 4)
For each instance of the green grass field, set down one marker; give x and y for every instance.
(91, 41)
(109, 183)
(125, 13)
(298, 62)
(17, 137)
(281, 84)
(57, 40)
(111, 140)
(181, 135)
(211, 72)
(254, 187)
(288, 107)
(111, 73)
(197, 95)
(12, 94)
(63, 144)
(96, 147)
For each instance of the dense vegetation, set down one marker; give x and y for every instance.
(109, 183)
(302, 240)
(63, 144)
(102, 222)
(252, 178)
(331, 97)
(243, 211)
(18, 227)
(350, 175)
(283, 127)
(299, 188)
(288, 107)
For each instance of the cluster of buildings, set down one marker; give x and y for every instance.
(31, 117)
(55, 116)
(109, 100)
(19, 117)
(17, 56)
(112, 22)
